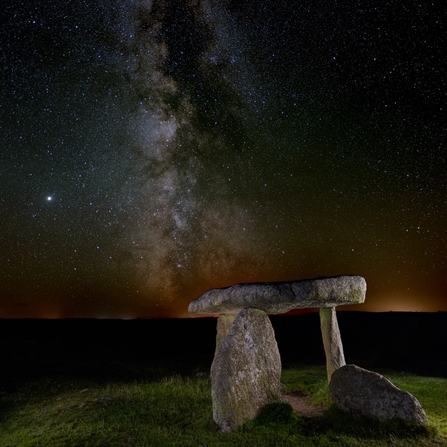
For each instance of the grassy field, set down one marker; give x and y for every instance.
(163, 408)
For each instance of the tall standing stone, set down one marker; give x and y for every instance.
(333, 347)
(246, 371)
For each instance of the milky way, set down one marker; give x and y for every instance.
(188, 220)
(154, 149)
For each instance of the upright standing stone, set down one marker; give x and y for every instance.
(333, 347)
(246, 371)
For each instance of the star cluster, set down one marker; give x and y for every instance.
(155, 149)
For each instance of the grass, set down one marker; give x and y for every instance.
(176, 410)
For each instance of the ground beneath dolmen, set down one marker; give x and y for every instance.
(301, 403)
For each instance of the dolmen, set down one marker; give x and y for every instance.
(246, 370)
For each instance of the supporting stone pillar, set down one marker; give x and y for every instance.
(333, 347)
(246, 371)
(224, 323)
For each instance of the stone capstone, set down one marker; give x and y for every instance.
(354, 389)
(246, 370)
(282, 296)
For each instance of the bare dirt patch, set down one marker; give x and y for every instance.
(301, 403)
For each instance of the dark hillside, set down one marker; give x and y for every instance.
(127, 350)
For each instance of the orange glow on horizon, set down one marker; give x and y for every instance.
(22, 303)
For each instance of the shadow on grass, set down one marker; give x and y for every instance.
(281, 419)
(277, 413)
(358, 426)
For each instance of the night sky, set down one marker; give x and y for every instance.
(152, 150)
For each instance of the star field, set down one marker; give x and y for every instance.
(155, 149)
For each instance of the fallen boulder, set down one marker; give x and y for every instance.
(246, 371)
(282, 296)
(354, 389)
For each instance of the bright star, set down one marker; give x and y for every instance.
(49, 198)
